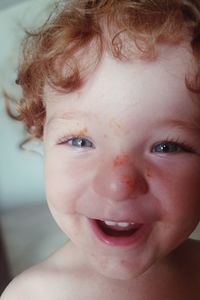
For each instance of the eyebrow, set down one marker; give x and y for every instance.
(69, 116)
(192, 127)
(184, 125)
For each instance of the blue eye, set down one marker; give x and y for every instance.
(170, 147)
(80, 142)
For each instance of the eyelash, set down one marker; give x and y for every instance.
(63, 140)
(185, 147)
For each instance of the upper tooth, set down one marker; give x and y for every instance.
(110, 223)
(121, 224)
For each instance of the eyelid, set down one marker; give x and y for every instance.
(65, 139)
(188, 148)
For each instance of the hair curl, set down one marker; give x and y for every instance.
(53, 53)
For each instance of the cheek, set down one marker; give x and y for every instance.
(177, 186)
(65, 182)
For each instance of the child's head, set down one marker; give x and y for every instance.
(72, 42)
(110, 82)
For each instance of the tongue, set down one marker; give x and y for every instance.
(115, 230)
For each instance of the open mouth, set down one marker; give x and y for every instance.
(117, 233)
(118, 229)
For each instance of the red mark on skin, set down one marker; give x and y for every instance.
(120, 160)
(148, 171)
(82, 132)
(129, 181)
(125, 263)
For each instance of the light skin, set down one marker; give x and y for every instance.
(124, 147)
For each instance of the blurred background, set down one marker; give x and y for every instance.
(28, 233)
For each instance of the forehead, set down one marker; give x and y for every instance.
(116, 87)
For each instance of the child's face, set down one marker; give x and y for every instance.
(114, 151)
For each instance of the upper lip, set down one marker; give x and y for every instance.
(139, 216)
(118, 220)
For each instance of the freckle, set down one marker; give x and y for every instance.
(120, 159)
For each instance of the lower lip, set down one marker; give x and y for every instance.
(118, 241)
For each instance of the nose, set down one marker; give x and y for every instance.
(119, 180)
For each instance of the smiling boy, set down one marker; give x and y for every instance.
(120, 122)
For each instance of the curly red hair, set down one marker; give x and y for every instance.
(53, 53)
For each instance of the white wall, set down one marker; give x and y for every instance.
(21, 173)
(7, 3)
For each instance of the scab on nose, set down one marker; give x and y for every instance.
(118, 179)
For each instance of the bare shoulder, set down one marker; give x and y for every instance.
(21, 286)
(29, 284)
(43, 281)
